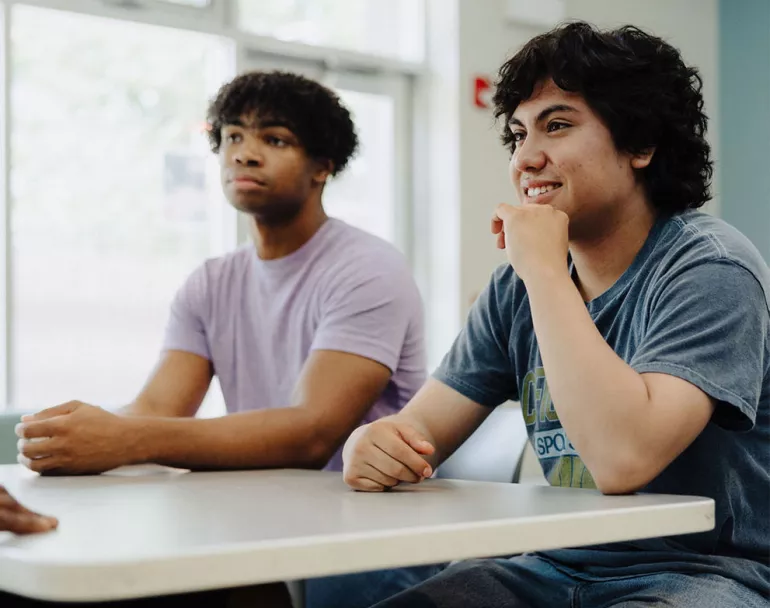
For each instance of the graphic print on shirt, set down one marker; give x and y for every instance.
(560, 461)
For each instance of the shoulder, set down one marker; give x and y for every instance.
(215, 270)
(507, 290)
(355, 256)
(217, 273)
(695, 246)
(232, 262)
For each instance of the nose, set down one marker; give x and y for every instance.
(529, 156)
(249, 154)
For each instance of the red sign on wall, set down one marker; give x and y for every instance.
(482, 92)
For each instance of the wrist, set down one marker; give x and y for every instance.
(546, 278)
(138, 432)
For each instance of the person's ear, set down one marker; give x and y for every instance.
(641, 160)
(323, 170)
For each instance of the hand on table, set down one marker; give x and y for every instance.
(75, 438)
(382, 454)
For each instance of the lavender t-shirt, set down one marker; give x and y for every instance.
(258, 320)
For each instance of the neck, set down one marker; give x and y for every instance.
(277, 241)
(601, 259)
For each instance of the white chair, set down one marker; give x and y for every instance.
(494, 452)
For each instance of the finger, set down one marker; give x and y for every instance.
(363, 484)
(395, 448)
(47, 464)
(416, 440)
(501, 240)
(396, 469)
(20, 508)
(51, 412)
(369, 471)
(497, 224)
(37, 448)
(49, 427)
(26, 523)
(504, 211)
(7, 501)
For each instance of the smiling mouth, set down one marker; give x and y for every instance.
(533, 194)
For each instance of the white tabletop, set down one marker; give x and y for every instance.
(143, 531)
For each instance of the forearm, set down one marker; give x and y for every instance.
(601, 401)
(283, 437)
(138, 407)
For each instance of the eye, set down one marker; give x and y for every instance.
(233, 138)
(275, 141)
(556, 126)
(517, 137)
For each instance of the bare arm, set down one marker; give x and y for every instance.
(333, 393)
(175, 388)
(626, 426)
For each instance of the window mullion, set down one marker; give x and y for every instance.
(6, 303)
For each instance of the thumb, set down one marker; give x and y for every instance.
(416, 440)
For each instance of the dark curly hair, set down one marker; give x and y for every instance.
(310, 110)
(642, 90)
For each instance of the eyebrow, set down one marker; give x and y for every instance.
(271, 122)
(560, 107)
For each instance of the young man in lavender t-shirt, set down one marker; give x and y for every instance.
(313, 330)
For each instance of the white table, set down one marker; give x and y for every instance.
(144, 531)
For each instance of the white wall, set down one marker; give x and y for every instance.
(469, 172)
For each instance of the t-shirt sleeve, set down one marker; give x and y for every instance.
(369, 314)
(709, 326)
(186, 328)
(478, 364)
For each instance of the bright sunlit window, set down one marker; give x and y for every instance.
(392, 28)
(113, 195)
(111, 200)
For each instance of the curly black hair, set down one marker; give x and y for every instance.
(639, 86)
(311, 111)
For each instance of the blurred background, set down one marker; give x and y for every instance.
(110, 195)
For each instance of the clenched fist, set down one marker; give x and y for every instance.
(535, 238)
(383, 454)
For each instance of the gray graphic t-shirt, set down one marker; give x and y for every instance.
(695, 304)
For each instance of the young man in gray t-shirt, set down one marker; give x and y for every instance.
(633, 329)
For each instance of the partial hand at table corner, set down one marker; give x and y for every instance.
(16, 518)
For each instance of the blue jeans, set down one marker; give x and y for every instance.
(362, 589)
(529, 581)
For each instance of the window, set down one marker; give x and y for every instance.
(392, 28)
(364, 194)
(113, 195)
(112, 200)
